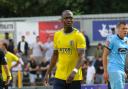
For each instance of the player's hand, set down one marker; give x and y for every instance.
(71, 77)
(105, 76)
(45, 80)
(8, 80)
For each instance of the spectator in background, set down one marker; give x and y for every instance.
(11, 46)
(113, 31)
(48, 49)
(37, 50)
(15, 72)
(43, 67)
(98, 64)
(6, 37)
(33, 69)
(99, 51)
(99, 71)
(23, 49)
(9, 42)
(84, 70)
(87, 43)
(90, 73)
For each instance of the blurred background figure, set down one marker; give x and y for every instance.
(33, 69)
(87, 43)
(9, 42)
(99, 51)
(23, 49)
(15, 72)
(11, 46)
(48, 49)
(84, 71)
(6, 37)
(99, 71)
(90, 73)
(43, 67)
(98, 64)
(113, 31)
(37, 50)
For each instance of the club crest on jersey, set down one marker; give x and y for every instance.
(71, 43)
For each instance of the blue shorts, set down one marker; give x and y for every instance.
(61, 84)
(117, 80)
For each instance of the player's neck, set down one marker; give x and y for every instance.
(121, 37)
(68, 29)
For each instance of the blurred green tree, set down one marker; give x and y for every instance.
(28, 8)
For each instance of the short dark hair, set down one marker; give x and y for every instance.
(6, 33)
(66, 11)
(121, 23)
(113, 29)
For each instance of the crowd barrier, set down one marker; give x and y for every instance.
(98, 86)
(84, 86)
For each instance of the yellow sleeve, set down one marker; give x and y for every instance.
(4, 74)
(80, 39)
(10, 75)
(55, 40)
(10, 58)
(14, 57)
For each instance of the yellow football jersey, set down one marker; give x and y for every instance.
(67, 46)
(9, 58)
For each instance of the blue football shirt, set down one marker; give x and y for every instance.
(118, 49)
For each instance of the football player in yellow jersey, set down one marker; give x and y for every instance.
(10, 57)
(68, 55)
(3, 63)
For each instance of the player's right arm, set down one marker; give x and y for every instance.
(53, 59)
(107, 48)
(51, 66)
(105, 63)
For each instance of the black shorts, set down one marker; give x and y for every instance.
(5, 86)
(61, 84)
(1, 83)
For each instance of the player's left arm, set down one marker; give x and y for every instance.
(17, 62)
(81, 54)
(81, 45)
(5, 66)
(80, 62)
(16, 59)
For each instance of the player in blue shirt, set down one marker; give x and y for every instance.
(115, 51)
